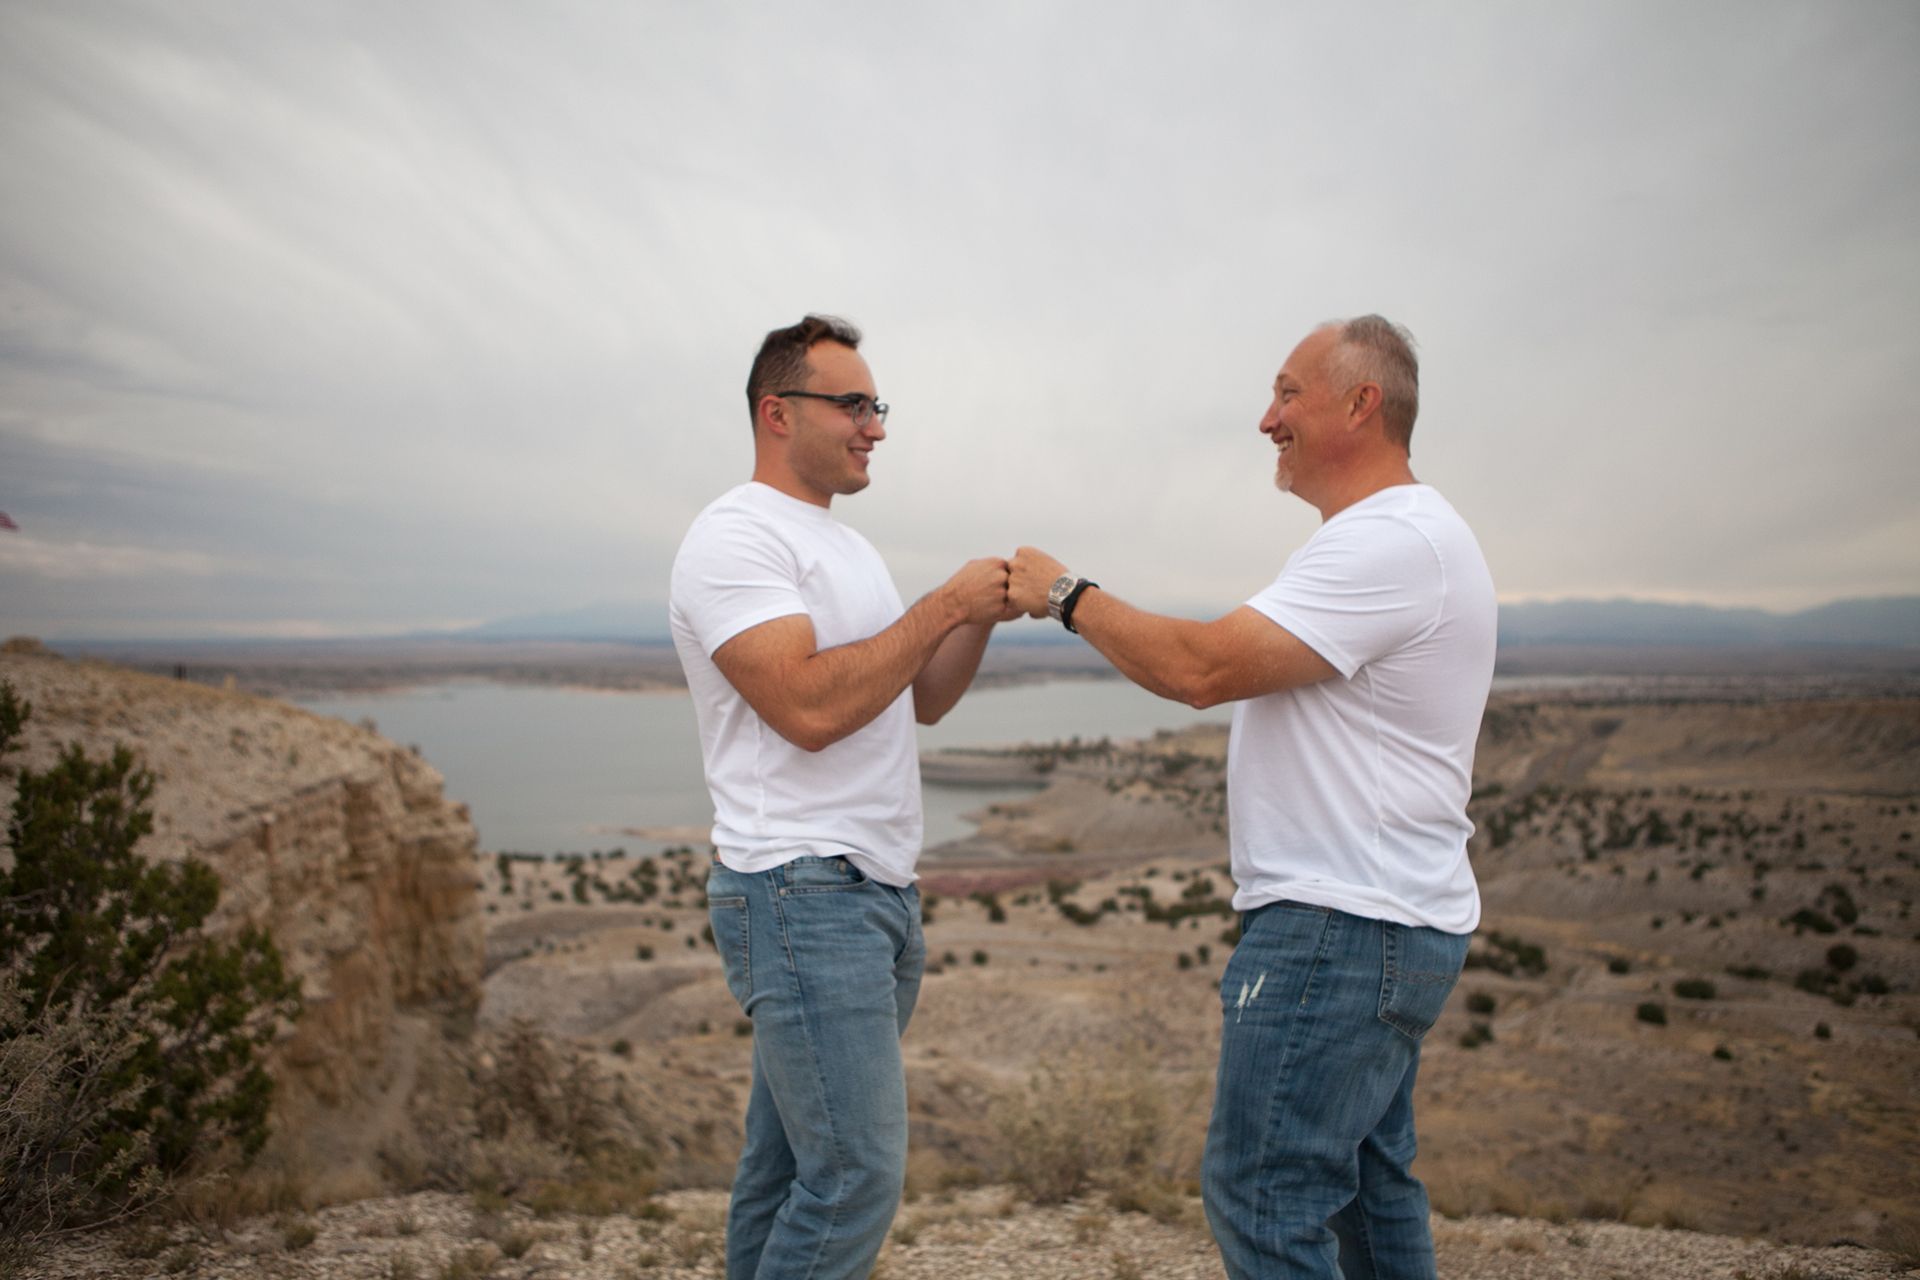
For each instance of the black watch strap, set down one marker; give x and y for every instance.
(1073, 598)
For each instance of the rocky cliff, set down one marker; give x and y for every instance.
(337, 841)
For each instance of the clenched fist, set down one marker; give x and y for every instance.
(980, 589)
(1032, 572)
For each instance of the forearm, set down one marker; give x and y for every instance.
(950, 671)
(1162, 655)
(839, 691)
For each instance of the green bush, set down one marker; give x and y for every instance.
(1652, 1011)
(1694, 989)
(146, 1030)
(1480, 1002)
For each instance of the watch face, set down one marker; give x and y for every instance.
(1057, 593)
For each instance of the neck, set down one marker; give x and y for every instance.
(1362, 482)
(772, 471)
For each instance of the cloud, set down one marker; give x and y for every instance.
(445, 309)
(83, 562)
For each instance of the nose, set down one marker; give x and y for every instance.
(1271, 418)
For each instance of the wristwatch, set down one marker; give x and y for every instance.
(1063, 595)
(1072, 600)
(1057, 594)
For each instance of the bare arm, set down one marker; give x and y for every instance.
(1243, 655)
(814, 697)
(946, 676)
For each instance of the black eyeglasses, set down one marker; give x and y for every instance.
(863, 407)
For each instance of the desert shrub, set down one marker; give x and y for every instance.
(562, 1099)
(1619, 964)
(996, 913)
(1476, 1035)
(1808, 918)
(1694, 989)
(1080, 1124)
(1480, 1002)
(521, 1120)
(1842, 957)
(1814, 981)
(146, 1030)
(1652, 1011)
(1504, 955)
(1078, 914)
(1837, 898)
(57, 1066)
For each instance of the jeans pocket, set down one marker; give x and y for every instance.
(820, 875)
(728, 916)
(1418, 969)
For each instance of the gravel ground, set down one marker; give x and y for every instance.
(979, 1234)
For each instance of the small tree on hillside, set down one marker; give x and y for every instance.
(133, 1037)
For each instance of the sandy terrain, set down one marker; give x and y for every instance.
(1744, 871)
(1692, 1009)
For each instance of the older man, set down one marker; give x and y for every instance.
(807, 676)
(1360, 676)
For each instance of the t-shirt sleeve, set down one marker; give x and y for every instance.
(733, 574)
(1358, 590)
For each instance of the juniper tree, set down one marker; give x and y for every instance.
(104, 953)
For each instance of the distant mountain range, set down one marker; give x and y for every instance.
(1891, 622)
(607, 620)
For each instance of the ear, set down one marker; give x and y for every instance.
(1363, 403)
(772, 414)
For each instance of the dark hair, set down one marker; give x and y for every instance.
(782, 362)
(1374, 349)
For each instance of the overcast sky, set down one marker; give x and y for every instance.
(336, 319)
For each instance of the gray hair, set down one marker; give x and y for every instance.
(1375, 349)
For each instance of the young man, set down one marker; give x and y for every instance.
(807, 676)
(1361, 675)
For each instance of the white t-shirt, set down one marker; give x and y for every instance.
(1352, 793)
(756, 554)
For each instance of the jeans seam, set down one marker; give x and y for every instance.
(1363, 1236)
(840, 1161)
(1295, 1031)
(743, 948)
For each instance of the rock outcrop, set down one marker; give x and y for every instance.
(337, 841)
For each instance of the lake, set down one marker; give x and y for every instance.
(548, 770)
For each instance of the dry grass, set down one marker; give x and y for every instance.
(1083, 1122)
(1902, 1240)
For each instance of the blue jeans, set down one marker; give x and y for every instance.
(827, 965)
(1307, 1164)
